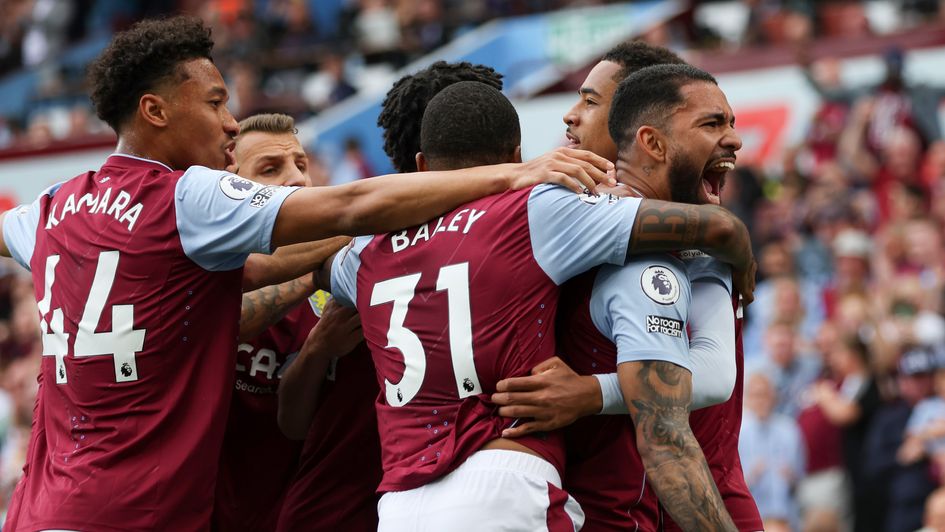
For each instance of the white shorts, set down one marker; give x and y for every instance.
(493, 490)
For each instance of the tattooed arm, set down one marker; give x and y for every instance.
(264, 307)
(664, 226)
(658, 395)
(288, 262)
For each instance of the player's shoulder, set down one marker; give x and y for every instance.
(662, 277)
(555, 192)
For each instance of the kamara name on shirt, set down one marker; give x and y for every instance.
(107, 202)
(460, 222)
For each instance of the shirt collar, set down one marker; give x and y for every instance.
(123, 159)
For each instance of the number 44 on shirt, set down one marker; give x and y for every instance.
(122, 342)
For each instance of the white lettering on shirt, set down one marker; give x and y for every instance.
(98, 204)
(461, 222)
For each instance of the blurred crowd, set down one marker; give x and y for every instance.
(293, 56)
(303, 56)
(844, 423)
(845, 344)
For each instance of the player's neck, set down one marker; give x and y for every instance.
(640, 179)
(128, 145)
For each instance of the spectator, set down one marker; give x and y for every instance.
(791, 371)
(848, 401)
(903, 488)
(925, 432)
(771, 452)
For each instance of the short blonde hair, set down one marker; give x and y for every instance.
(268, 123)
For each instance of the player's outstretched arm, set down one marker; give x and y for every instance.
(335, 335)
(658, 395)
(664, 226)
(264, 307)
(388, 203)
(288, 262)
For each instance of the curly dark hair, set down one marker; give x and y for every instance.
(141, 58)
(403, 107)
(634, 55)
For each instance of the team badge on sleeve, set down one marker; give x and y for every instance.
(318, 300)
(594, 199)
(660, 284)
(236, 187)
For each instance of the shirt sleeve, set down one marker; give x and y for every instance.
(711, 343)
(572, 233)
(705, 268)
(642, 308)
(344, 272)
(19, 228)
(222, 217)
(611, 395)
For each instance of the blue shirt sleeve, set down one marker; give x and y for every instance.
(642, 308)
(222, 217)
(571, 234)
(19, 228)
(705, 268)
(344, 272)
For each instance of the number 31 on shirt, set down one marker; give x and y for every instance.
(454, 279)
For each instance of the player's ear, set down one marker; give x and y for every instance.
(652, 142)
(421, 162)
(153, 109)
(517, 155)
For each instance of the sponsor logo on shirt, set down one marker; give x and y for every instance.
(261, 198)
(660, 284)
(667, 326)
(690, 254)
(237, 188)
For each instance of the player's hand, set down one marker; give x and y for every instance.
(336, 334)
(579, 170)
(744, 283)
(553, 396)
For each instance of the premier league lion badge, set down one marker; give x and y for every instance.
(236, 187)
(660, 284)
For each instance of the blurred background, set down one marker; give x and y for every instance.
(841, 181)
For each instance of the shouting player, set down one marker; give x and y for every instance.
(557, 396)
(127, 427)
(480, 279)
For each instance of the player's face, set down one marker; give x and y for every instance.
(704, 142)
(272, 159)
(203, 128)
(587, 120)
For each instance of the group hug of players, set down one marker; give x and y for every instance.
(548, 345)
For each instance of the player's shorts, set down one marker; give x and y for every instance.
(493, 490)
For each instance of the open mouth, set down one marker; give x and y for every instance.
(713, 179)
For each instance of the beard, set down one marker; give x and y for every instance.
(685, 179)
